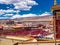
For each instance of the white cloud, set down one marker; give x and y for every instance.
(20, 4)
(1, 12)
(24, 15)
(15, 16)
(29, 15)
(7, 11)
(45, 14)
(8, 15)
(4, 17)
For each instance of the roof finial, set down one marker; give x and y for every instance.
(55, 3)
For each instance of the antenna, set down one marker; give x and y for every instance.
(55, 2)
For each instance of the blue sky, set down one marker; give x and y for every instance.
(11, 9)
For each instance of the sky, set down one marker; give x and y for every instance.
(12, 9)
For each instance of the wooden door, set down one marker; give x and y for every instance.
(58, 29)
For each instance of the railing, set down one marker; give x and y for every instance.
(37, 43)
(45, 42)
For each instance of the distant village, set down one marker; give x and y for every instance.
(42, 26)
